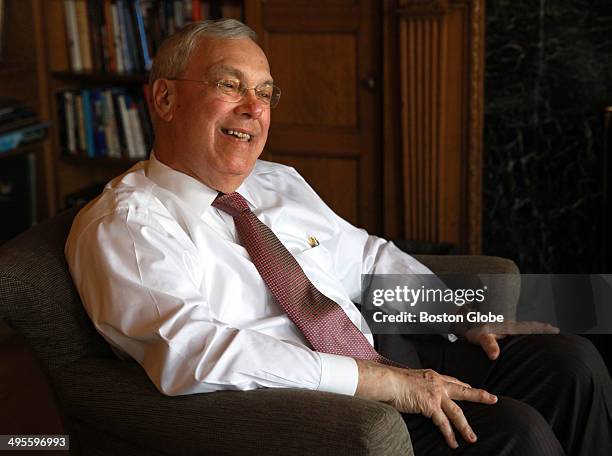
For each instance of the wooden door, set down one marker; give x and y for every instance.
(325, 56)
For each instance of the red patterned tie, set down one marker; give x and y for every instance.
(321, 320)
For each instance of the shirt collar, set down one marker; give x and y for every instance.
(191, 191)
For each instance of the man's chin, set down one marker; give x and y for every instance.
(229, 178)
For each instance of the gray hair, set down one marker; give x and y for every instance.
(173, 54)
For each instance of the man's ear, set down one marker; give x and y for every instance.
(163, 99)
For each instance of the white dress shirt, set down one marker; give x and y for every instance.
(164, 279)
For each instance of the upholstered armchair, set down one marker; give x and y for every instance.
(110, 406)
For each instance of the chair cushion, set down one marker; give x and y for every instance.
(38, 298)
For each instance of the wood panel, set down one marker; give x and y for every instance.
(56, 43)
(434, 65)
(325, 56)
(319, 93)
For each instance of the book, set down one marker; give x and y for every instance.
(117, 39)
(109, 32)
(110, 125)
(121, 135)
(140, 150)
(167, 12)
(83, 34)
(123, 35)
(63, 107)
(80, 124)
(104, 122)
(126, 47)
(142, 35)
(95, 16)
(187, 11)
(27, 134)
(133, 32)
(72, 35)
(178, 14)
(151, 24)
(88, 123)
(127, 126)
(196, 10)
(70, 123)
(101, 147)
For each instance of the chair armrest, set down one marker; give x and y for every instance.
(118, 399)
(468, 264)
(503, 298)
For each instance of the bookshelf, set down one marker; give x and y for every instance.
(23, 78)
(95, 67)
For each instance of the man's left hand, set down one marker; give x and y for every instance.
(487, 335)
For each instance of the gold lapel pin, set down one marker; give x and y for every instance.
(313, 241)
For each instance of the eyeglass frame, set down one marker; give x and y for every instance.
(243, 89)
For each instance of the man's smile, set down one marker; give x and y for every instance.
(238, 134)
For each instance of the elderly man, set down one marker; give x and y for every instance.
(217, 271)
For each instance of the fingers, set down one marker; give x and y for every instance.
(433, 395)
(448, 378)
(450, 413)
(461, 393)
(440, 420)
(457, 418)
(489, 344)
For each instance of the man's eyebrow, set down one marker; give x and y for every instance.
(235, 72)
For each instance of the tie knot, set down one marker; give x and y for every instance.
(232, 203)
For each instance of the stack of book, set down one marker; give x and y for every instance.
(121, 36)
(104, 122)
(19, 125)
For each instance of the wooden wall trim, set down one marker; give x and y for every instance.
(48, 157)
(434, 64)
(422, 7)
(393, 196)
(475, 161)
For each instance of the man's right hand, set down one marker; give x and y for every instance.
(422, 391)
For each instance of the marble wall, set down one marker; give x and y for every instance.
(548, 78)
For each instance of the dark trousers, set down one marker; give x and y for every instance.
(555, 395)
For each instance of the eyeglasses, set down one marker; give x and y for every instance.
(233, 91)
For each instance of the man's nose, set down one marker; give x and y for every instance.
(250, 105)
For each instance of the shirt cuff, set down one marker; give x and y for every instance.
(339, 374)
